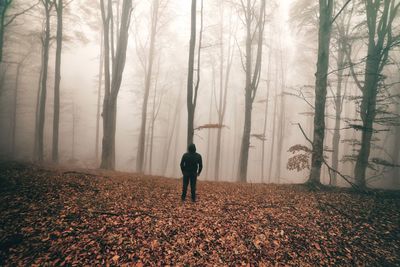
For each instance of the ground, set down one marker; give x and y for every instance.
(63, 217)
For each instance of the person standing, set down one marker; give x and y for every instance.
(191, 166)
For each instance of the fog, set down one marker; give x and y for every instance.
(287, 80)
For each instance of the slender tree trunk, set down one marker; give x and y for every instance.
(338, 112)
(100, 85)
(14, 113)
(43, 94)
(368, 113)
(35, 140)
(73, 133)
(56, 114)
(175, 154)
(264, 135)
(263, 163)
(281, 127)
(271, 155)
(174, 131)
(210, 117)
(223, 91)
(325, 25)
(153, 120)
(148, 76)
(192, 45)
(252, 79)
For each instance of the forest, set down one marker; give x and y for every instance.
(293, 107)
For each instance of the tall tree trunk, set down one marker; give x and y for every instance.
(271, 155)
(35, 139)
(73, 136)
(338, 100)
(380, 41)
(263, 163)
(191, 103)
(324, 36)
(100, 86)
(175, 154)
(210, 117)
(15, 109)
(113, 84)
(174, 131)
(223, 89)
(281, 127)
(57, 80)
(148, 76)
(43, 94)
(252, 79)
(368, 113)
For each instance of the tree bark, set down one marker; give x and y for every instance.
(100, 85)
(252, 79)
(113, 83)
(192, 45)
(324, 34)
(56, 114)
(43, 93)
(15, 110)
(281, 127)
(379, 31)
(148, 76)
(338, 101)
(223, 89)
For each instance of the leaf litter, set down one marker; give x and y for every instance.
(51, 217)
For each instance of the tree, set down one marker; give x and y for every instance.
(41, 116)
(113, 77)
(58, 4)
(223, 85)
(99, 88)
(147, 85)
(380, 15)
(253, 25)
(341, 38)
(324, 34)
(192, 91)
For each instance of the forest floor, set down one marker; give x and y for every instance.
(61, 217)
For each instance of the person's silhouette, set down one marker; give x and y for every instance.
(191, 166)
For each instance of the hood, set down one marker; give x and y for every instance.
(192, 148)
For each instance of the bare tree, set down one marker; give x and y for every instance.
(58, 4)
(147, 85)
(380, 15)
(113, 77)
(224, 74)
(48, 5)
(192, 89)
(324, 36)
(99, 88)
(253, 25)
(341, 33)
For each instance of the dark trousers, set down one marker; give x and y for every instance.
(192, 178)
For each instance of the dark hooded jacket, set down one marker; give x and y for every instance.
(191, 163)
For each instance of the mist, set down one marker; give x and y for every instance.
(283, 104)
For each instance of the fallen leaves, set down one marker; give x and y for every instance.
(80, 218)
